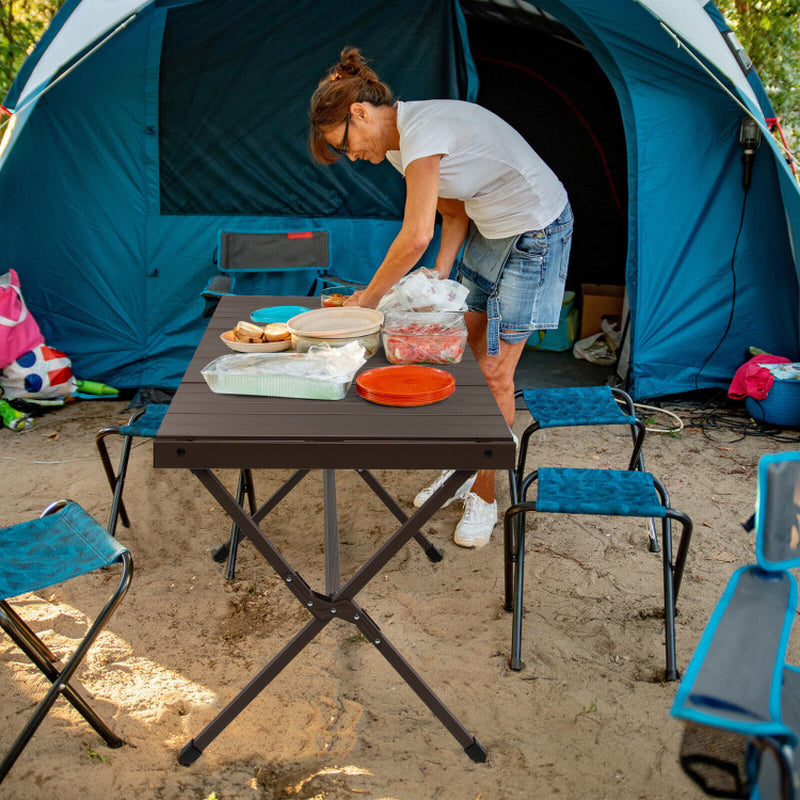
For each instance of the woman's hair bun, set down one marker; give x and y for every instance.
(350, 64)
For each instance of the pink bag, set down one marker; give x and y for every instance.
(18, 329)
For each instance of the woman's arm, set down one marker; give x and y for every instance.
(419, 218)
(454, 229)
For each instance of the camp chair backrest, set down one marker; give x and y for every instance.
(280, 250)
(778, 512)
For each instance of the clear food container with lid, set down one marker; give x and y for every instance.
(424, 337)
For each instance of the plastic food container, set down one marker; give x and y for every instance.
(370, 342)
(337, 327)
(335, 296)
(314, 376)
(424, 337)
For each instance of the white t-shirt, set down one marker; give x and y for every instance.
(506, 187)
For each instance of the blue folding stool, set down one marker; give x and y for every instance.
(578, 406)
(628, 493)
(64, 543)
(739, 698)
(144, 422)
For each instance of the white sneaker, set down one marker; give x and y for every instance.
(475, 528)
(459, 494)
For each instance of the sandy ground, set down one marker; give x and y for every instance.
(588, 717)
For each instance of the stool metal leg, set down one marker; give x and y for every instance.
(35, 649)
(244, 486)
(512, 552)
(669, 599)
(114, 482)
(517, 537)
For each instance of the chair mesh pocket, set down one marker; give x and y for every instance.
(721, 763)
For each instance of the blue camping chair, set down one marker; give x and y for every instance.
(64, 543)
(246, 260)
(740, 700)
(605, 492)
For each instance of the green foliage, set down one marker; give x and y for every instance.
(769, 31)
(22, 22)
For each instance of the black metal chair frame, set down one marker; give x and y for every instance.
(514, 541)
(116, 480)
(255, 252)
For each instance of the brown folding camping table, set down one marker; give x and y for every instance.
(205, 432)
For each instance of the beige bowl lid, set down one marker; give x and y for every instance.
(336, 322)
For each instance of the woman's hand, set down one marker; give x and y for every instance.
(355, 299)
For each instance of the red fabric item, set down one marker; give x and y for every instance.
(753, 380)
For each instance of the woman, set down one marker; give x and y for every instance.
(495, 196)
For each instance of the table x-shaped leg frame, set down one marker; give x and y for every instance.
(337, 603)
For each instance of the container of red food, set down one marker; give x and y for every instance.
(424, 337)
(335, 296)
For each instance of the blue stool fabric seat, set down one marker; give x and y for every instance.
(52, 549)
(64, 543)
(622, 493)
(626, 493)
(739, 698)
(580, 405)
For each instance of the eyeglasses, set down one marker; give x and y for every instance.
(341, 150)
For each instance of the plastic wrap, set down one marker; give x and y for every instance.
(323, 373)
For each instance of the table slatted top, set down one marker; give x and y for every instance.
(203, 429)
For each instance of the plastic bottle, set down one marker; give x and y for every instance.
(96, 388)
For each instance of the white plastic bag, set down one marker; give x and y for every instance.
(42, 373)
(424, 290)
(600, 348)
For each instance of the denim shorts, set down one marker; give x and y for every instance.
(530, 286)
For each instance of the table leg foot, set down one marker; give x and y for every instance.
(433, 552)
(220, 555)
(476, 752)
(189, 754)
(516, 664)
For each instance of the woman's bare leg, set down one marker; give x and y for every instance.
(499, 373)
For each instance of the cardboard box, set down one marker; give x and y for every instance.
(599, 300)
